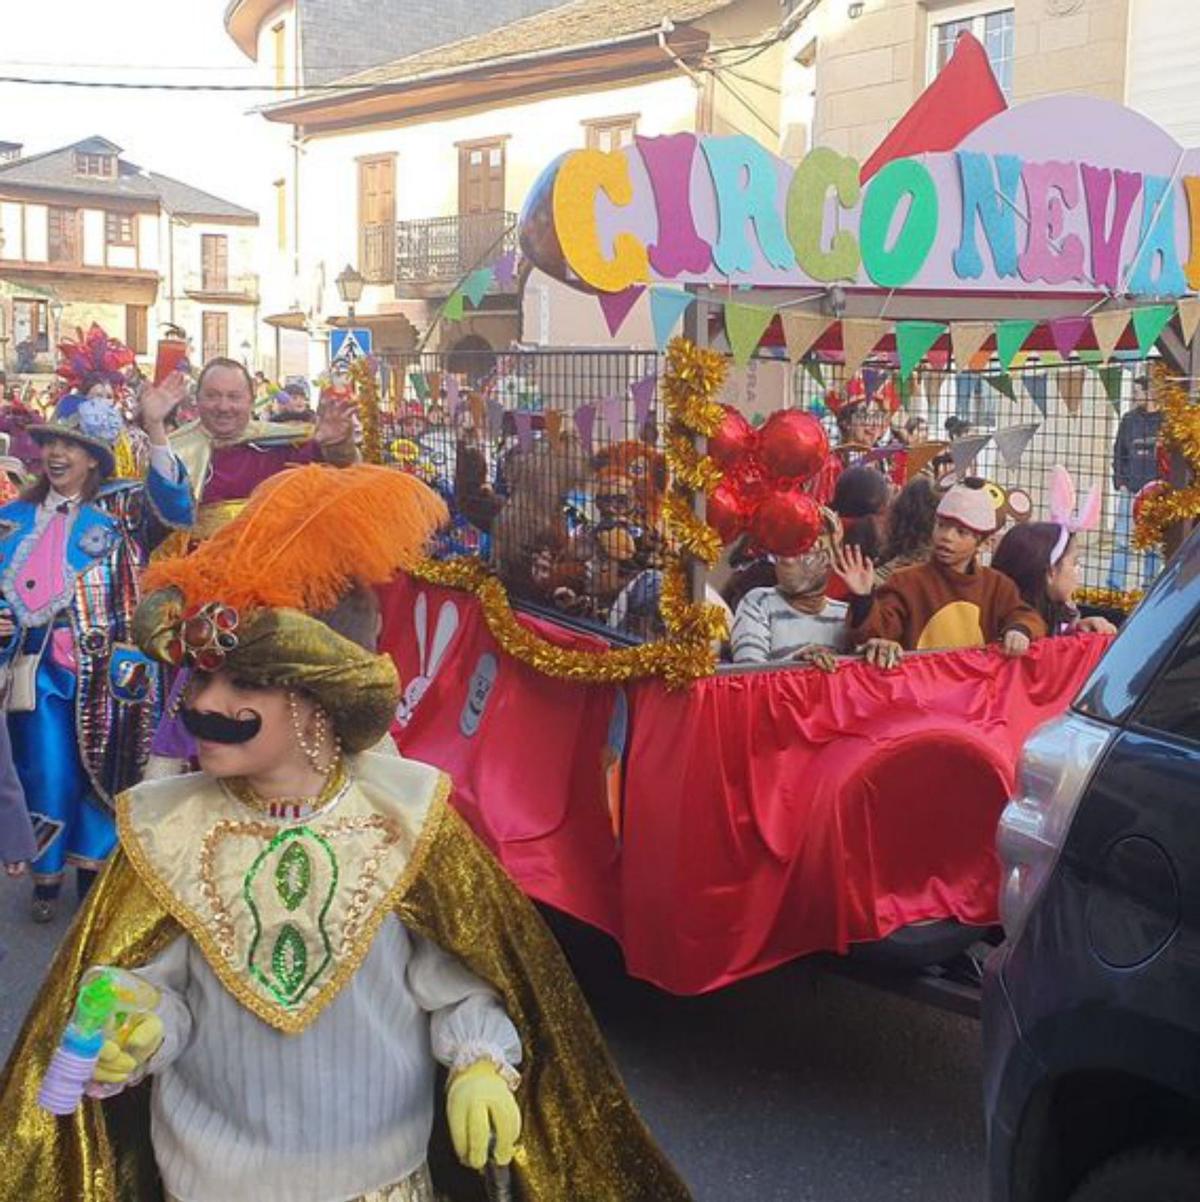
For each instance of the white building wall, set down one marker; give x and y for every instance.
(1164, 50)
(12, 244)
(37, 234)
(148, 241)
(92, 221)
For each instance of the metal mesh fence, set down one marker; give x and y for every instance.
(551, 461)
(552, 465)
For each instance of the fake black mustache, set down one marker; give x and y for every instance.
(217, 728)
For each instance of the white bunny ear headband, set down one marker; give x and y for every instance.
(1064, 514)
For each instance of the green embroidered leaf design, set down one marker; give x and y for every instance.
(293, 875)
(289, 960)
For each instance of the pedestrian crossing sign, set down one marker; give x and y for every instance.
(349, 344)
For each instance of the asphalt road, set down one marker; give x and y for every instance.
(796, 1087)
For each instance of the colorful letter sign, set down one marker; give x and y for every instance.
(1065, 194)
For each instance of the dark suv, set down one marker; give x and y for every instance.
(1092, 1006)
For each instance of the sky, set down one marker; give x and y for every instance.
(210, 140)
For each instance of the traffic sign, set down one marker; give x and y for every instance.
(349, 344)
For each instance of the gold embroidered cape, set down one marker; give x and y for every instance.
(408, 853)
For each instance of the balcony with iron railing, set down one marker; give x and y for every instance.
(434, 253)
(225, 286)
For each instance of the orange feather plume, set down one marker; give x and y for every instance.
(306, 536)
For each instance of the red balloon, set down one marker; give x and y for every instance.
(750, 481)
(786, 523)
(793, 445)
(736, 439)
(1145, 493)
(727, 512)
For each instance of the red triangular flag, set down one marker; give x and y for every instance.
(616, 306)
(962, 97)
(1067, 331)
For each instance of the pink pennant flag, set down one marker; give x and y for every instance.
(1067, 332)
(523, 420)
(612, 409)
(643, 397)
(506, 270)
(616, 306)
(585, 423)
(454, 401)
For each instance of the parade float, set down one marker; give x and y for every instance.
(717, 821)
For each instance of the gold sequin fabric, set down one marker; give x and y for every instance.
(582, 1138)
(284, 912)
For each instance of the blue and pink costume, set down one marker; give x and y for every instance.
(69, 575)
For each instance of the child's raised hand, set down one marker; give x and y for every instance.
(854, 569)
(883, 653)
(1016, 643)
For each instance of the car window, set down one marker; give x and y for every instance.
(1172, 705)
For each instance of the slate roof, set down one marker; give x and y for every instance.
(55, 169)
(578, 23)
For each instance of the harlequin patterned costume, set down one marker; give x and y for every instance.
(69, 574)
(314, 960)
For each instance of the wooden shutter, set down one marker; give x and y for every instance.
(481, 178)
(216, 335)
(136, 332)
(377, 218)
(64, 235)
(214, 257)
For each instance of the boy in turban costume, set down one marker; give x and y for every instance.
(320, 925)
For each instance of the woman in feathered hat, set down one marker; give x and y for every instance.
(81, 699)
(320, 927)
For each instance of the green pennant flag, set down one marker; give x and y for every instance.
(1110, 377)
(475, 286)
(420, 384)
(1092, 359)
(745, 325)
(913, 340)
(1002, 383)
(1010, 337)
(1148, 323)
(453, 310)
(813, 367)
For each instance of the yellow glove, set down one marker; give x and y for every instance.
(119, 1061)
(478, 1102)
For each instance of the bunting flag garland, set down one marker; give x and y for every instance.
(1070, 388)
(585, 423)
(964, 452)
(1013, 441)
(616, 306)
(1002, 382)
(453, 309)
(802, 331)
(873, 380)
(643, 397)
(1108, 327)
(1037, 388)
(744, 326)
(1067, 333)
(420, 385)
(860, 337)
(967, 339)
(920, 457)
(506, 271)
(1189, 317)
(475, 286)
(667, 306)
(612, 410)
(1149, 322)
(523, 421)
(914, 340)
(1110, 377)
(1010, 337)
(814, 369)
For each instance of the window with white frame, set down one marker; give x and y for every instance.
(990, 21)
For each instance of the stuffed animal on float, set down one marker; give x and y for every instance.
(534, 552)
(638, 478)
(475, 496)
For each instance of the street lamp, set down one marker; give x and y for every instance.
(350, 288)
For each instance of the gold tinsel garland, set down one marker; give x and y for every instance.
(1108, 598)
(366, 394)
(692, 379)
(1181, 432)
